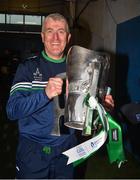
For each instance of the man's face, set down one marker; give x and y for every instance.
(55, 38)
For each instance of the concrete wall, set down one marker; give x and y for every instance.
(100, 19)
(102, 16)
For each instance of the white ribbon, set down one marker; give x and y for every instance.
(90, 146)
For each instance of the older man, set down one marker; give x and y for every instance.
(39, 154)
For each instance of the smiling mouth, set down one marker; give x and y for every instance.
(55, 43)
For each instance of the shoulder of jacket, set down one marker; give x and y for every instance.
(32, 57)
(30, 60)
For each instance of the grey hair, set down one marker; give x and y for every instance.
(56, 16)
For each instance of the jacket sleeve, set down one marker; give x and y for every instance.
(22, 102)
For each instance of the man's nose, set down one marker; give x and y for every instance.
(55, 35)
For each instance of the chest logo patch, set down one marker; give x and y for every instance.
(37, 75)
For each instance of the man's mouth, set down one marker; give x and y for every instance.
(55, 43)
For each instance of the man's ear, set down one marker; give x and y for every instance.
(69, 37)
(42, 36)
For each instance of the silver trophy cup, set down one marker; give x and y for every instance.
(86, 74)
(84, 70)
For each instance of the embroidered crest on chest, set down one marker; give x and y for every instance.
(37, 75)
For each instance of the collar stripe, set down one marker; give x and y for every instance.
(46, 57)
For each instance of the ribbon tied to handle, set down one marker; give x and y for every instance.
(109, 131)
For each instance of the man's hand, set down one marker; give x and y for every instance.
(54, 87)
(108, 103)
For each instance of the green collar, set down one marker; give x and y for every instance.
(46, 57)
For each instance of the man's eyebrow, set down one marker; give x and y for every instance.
(62, 29)
(48, 28)
(58, 28)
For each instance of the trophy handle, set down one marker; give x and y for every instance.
(59, 105)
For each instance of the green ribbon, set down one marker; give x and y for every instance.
(109, 125)
(88, 124)
(115, 144)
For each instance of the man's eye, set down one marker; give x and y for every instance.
(61, 31)
(49, 31)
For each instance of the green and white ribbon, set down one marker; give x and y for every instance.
(109, 128)
(115, 145)
(85, 149)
